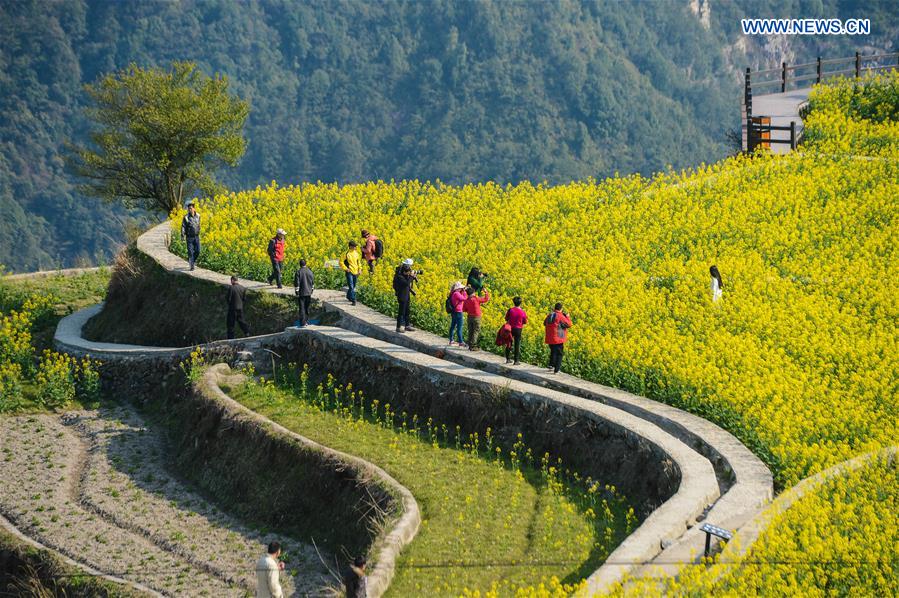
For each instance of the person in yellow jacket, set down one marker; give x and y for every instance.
(352, 266)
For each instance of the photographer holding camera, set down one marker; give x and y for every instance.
(403, 282)
(477, 279)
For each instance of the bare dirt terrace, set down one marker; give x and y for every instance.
(94, 485)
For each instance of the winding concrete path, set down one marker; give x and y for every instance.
(745, 484)
(722, 482)
(782, 108)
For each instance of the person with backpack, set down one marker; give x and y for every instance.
(276, 247)
(190, 232)
(454, 304)
(352, 267)
(516, 318)
(303, 287)
(472, 307)
(372, 250)
(556, 324)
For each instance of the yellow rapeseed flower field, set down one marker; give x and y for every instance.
(800, 356)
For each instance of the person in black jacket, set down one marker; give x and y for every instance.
(236, 295)
(303, 286)
(403, 279)
(190, 232)
(354, 580)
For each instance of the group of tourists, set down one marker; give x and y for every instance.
(464, 303)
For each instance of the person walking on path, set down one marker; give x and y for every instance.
(371, 250)
(556, 324)
(276, 247)
(717, 283)
(472, 307)
(354, 580)
(352, 267)
(517, 319)
(476, 279)
(403, 279)
(268, 573)
(454, 304)
(303, 286)
(190, 233)
(236, 295)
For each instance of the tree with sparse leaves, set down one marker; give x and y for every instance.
(159, 135)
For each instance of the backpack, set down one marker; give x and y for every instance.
(379, 248)
(449, 304)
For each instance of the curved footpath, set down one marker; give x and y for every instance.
(725, 484)
(745, 483)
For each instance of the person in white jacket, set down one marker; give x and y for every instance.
(268, 571)
(717, 283)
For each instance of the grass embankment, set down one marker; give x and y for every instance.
(146, 305)
(491, 517)
(30, 309)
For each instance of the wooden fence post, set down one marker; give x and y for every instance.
(792, 134)
(783, 77)
(858, 65)
(819, 69)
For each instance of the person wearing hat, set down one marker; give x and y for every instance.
(352, 267)
(276, 246)
(403, 279)
(454, 305)
(190, 233)
(235, 297)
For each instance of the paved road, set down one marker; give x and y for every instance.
(782, 108)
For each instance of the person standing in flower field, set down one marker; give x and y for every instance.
(276, 248)
(352, 267)
(516, 318)
(472, 307)
(403, 279)
(190, 233)
(556, 324)
(454, 304)
(372, 250)
(235, 297)
(268, 572)
(717, 284)
(303, 286)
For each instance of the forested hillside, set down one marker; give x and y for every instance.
(456, 91)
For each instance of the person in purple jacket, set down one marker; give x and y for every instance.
(454, 304)
(516, 318)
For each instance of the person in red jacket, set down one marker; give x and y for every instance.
(472, 307)
(516, 318)
(455, 302)
(557, 324)
(276, 246)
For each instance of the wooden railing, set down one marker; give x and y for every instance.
(815, 72)
(758, 130)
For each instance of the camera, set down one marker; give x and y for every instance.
(417, 272)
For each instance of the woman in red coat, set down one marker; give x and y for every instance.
(557, 324)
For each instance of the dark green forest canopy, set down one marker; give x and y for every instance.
(458, 91)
